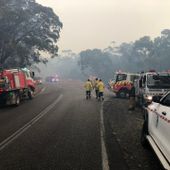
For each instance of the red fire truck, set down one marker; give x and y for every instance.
(121, 83)
(16, 84)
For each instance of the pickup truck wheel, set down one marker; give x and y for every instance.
(144, 134)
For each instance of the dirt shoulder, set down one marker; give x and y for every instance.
(124, 127)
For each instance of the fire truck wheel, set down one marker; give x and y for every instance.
(17, 100)
(123, 93)
(30, 94)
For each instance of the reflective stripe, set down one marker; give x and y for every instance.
(161, 116)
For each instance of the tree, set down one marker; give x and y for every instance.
(162, 50)
(125, 59)
(142, 52)
(27, 30)
(97, 63)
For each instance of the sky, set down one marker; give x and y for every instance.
(89, 24)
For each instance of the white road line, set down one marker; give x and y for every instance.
(105, 162)
(140, 120)
(19, 132)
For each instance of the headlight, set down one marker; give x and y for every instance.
(149, 98)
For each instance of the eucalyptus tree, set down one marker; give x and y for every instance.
(97, 63)
(27, 31)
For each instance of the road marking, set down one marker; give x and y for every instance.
(140, 120)
(19, 132)
(105, 162)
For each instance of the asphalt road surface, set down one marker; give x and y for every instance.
(60, 130)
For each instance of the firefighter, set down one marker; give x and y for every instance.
(101, 87)
(96, 87)
(88, 87)
(132, 98)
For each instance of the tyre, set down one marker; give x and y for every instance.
(144, 134)
(17, 100)
(122, 93)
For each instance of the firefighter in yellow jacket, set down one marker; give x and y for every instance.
(101, 87)
(88, 87)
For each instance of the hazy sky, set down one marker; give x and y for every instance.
(96, 23)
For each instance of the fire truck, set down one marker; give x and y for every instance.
(122, 83)
(151, 84)
(16, 84)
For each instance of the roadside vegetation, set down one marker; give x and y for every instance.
(27, 31)
(142, 55)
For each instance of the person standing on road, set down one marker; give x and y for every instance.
(101, 87)
(96, 87)
(132, 98)
(88, 86)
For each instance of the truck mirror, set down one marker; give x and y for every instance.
(140, 83)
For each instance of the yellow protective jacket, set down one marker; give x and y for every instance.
(101, 86)
(96, 84)
(88, 86)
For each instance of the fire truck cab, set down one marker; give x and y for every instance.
(151, 84)
(122, 82)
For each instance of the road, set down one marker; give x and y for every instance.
(60, 130)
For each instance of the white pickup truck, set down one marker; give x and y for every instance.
(156, 128)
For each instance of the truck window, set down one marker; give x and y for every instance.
(121, 77)
(159, 81)
(133, 77)
(166, 101)
(114, 78)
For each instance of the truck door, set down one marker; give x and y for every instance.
(163, 126)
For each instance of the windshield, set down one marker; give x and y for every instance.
(121, 77)
(133, 77)
(114, 78)
(158, 81)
